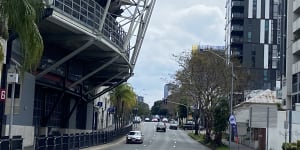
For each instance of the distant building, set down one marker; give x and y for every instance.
(168, 89)
(140, 99)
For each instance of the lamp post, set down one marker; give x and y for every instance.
(231, 91)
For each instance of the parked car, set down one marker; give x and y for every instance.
(161, 126)
(189, 125)
(135, 137)
(173, 125)
(147, 119)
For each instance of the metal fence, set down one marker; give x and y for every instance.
(16, 143)
(89, 13)
(78, 141)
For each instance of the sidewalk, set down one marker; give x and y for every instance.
(235, 146)
(105, 146)
(113, 143)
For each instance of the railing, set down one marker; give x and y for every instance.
(77, 141)
(16, 143)
(237, 16)
(237, 3)
(236, 40)
(237, 28)
(89, 13)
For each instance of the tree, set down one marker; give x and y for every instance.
(143, 109)
(204, 78)
(20, 16)
(221, 113)
(156, 107)
(124, 99)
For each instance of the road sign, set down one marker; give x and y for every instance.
(232, 119)
(2, 95)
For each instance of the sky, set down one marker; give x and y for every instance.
(174, 27)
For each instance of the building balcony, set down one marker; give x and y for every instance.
(296, 25)
(236, 39)
(296, 47)
(296, 6)
(237, 16)
(237, 28)
(296, 67)
(239, 4)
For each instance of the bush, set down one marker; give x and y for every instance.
(289, 146)
(298, 145)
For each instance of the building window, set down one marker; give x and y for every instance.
(294, 82)
(253, 54)
(266, 31)
(265, 75)
(254, 8)
(249, 39)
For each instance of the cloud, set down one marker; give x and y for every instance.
(174, 27)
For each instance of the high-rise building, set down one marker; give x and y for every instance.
(292, 81)
(254, 38)
(140, 99)
(168, 89)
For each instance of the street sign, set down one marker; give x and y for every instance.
(2, 95)
(232, 120)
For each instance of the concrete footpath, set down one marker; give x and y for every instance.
(235, 146)
(105, 146)
(115, 142)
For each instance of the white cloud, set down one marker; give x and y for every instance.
(174, 27)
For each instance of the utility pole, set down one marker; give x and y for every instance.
(12, 78)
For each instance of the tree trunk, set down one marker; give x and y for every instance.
(218, 138)
(208, 129)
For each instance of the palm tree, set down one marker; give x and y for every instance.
(20, 16)
(124, 99)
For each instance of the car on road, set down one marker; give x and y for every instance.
(154, 120)
(147, 119)
(135, 137)
(173, 125)
(161, 126)
(165, 120)
(189, 125)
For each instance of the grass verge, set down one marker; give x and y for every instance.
(200, 139)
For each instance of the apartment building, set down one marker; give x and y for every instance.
(253, 38)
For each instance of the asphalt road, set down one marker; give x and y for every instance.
(170, 140)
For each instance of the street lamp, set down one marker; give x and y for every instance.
(231, 92)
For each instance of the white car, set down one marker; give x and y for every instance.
(173, 125)
(135, 137)
(165, 120)
(147, 119)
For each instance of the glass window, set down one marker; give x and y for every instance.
(266, 31)
(249, 39)
(265, 75)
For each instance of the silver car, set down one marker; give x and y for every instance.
(173, 125)
(134, 137)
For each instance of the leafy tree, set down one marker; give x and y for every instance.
(156, 107)
(20, 16)
(221, 114)
(163, 112)
(182, 110)
(124, 99)
(204, 78)
(143, 109)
